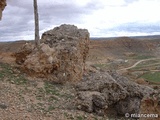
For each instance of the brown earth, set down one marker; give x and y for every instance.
(120, 47)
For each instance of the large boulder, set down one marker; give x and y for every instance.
(61, 55)
(102, 92)
(2, 6)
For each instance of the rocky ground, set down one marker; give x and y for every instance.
(24, 98)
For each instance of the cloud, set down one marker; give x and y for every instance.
(100, 17)
(135, 27)
(127, 2)
(18, 17)
(140, 12)
(131, 29)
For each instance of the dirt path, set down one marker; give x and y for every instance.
(135, 64)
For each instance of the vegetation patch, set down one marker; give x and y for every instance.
(141, 57)
(51, 89)
(109, 66)
(12, 75)
(5, 70)
(152, 77)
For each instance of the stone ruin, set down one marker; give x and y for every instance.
(61, 56)
(2, 6)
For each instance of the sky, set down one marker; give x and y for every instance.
(102, 18)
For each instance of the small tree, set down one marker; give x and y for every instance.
(37, 41)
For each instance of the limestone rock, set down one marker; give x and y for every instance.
(101, 91)
(42, 62)
(72, 46)
(128, 105)
(62, 54)
(133, 88)
(24, 51)
(2, 6)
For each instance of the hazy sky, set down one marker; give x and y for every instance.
(103, 18)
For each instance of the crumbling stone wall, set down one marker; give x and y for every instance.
(61, 56)
(2, 6)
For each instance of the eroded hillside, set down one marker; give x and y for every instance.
(121, 47)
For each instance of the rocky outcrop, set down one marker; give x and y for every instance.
(102, 92)
(2, 6)
(61, 56)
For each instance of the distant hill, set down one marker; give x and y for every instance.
(149, 37)
(117, 47)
